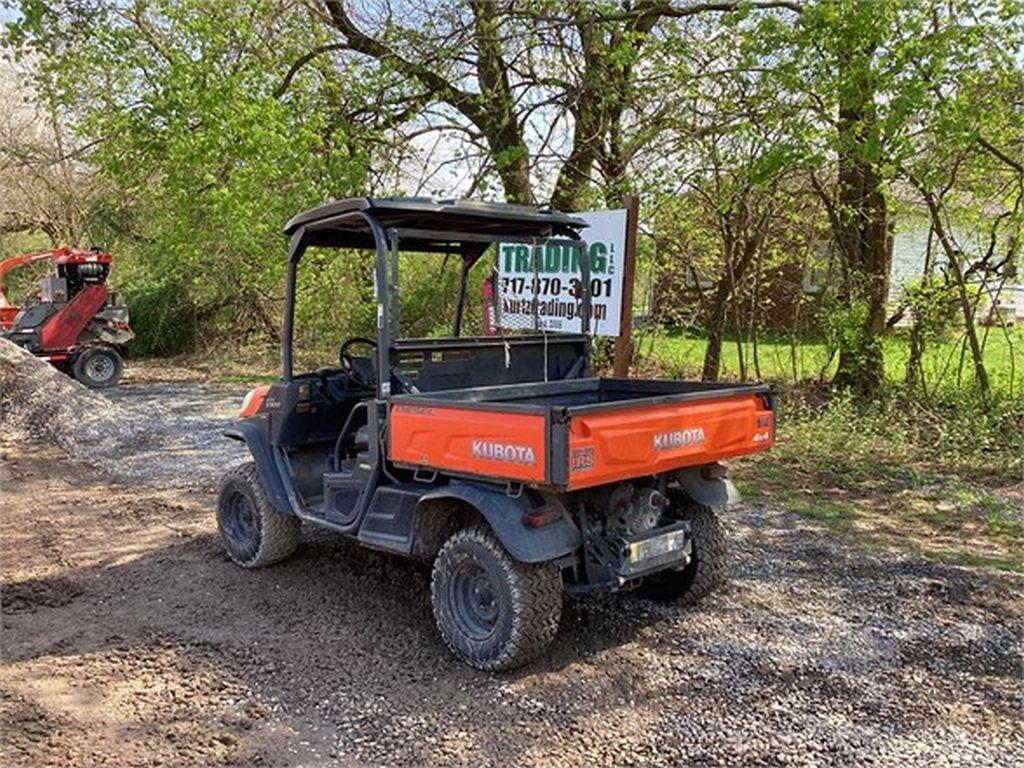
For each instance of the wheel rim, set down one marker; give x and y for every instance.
(473, 599)
(100, 367)
(240, 525)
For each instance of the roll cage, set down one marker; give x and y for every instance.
(387, 225)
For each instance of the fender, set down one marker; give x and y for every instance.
(266, 467)
(711, 492)
(505, 516)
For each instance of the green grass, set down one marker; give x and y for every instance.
(971, 559)
(997, 523)
(242, 378)
(749, 489)
(830, 512)
(682, 354)
(944, 482)
(948, 522)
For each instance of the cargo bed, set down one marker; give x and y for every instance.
(579, 433)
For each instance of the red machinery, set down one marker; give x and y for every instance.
(76, 323)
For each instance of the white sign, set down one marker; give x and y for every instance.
(546, 283)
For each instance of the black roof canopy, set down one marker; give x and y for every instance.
(342, 223)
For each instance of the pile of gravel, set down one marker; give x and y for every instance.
(166, 434)
(37, 401)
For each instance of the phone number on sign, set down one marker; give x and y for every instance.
(554, 286)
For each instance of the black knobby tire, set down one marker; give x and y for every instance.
(99, 367)
(493, 611)
(253, 533)
(706, 570)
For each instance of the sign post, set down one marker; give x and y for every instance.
(623, 355)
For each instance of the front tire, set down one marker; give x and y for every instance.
(253, 532)
(494, 612)
(705, 572)
(99, 367)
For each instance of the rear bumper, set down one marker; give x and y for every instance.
(658, 550)
(613, 563)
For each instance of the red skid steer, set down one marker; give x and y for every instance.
(76, 323)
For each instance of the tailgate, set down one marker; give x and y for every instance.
(634, 441)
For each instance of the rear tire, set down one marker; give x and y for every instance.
(706, 570)
(253, 533)
(494, 612)
(99, 367)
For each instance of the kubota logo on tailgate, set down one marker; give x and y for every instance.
(664, 441)
(515, 454)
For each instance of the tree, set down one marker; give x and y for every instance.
(539, 91)
(864, 72)
(212, 139)
(715, 219)
(968, 163)
(46, 187)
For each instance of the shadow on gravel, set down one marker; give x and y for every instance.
(332, 597)
(344, 638)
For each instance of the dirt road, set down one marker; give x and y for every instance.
(129, 639)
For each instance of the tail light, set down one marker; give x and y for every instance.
(542, 516)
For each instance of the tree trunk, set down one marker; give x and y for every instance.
(863, 235)
(588, 129)
(915, 369)
(716, 330)
(492, 111)
(734, 272)
(967, 309)
(498, 121)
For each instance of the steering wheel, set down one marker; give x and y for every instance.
(359, 370)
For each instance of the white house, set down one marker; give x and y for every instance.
(910, 246)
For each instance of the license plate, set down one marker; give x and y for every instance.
(656, 546)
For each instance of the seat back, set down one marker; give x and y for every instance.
(458, 363)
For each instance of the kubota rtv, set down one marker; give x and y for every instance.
(496, 458)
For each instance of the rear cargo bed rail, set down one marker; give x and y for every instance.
(579, 433)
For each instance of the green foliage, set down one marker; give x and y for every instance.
(844, 323)
(162, 313)
(788, 361)
(886, 439)
(939, 480)
(214, 122)
(932, 303)
(208, 149)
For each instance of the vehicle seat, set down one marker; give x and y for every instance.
(361, 439)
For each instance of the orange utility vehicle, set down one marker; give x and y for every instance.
(496, 458)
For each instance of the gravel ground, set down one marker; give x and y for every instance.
(162, 429)
(129, 639)
(184, 424)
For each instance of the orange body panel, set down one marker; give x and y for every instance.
(612, 446)
(7, 315)
(504, 445)
(61, 330)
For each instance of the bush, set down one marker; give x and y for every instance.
(834, 432)
(162, 314)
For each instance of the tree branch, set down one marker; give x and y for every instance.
(302, 61)
(1010, 161)
(468, 104)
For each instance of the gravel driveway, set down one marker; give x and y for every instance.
(184, 423)
(130, 640)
